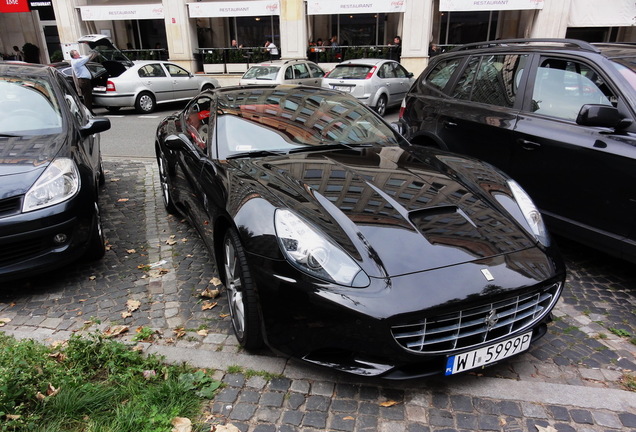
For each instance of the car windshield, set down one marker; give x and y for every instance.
(28, 107)
(350, 72)
(271, 121)
(626, 66)
(267, 73)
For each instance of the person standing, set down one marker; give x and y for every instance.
(17, 54)
(272, 49)
(395, 50)
(83, 76)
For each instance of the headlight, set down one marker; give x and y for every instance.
(530, 213)
(59, 182)
(313, 253)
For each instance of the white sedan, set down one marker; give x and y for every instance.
(148, 83)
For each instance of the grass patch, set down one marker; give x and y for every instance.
(249, 373)
(94, 384)
(629, 381)
(620, 332)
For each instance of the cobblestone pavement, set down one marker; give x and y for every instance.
(574, 379)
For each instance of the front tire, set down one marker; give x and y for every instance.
(380, 107)
(166, 183)
(145, 103)
(96, 245)
(241, 293)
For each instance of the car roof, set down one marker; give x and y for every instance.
(609, 50)
(363, 61)
(11, 68)
(280, 62)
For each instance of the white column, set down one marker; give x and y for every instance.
(293, 29)
(552, 20)
(417, 34)
(69, 22)
(181, 33)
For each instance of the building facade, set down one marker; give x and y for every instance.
(186, 28)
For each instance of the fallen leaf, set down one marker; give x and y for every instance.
(122, 200)
(131, 251)
(114, 179)
(179, 332)
(126, 314)
(52, 391)
(348, 418)
(39, 396)
(184, 240)
(545, 429)
(181, 424)
(216, 281)
(207, 305)
(4, 321)
(115, 331)
(389, 403)
(171, 242)
(58, 356)
(133, 305)
(202, 332)
(138, 348)
(12, 416)
(210, 293)
(155, 273)
(92, 277)
(224, 315)
(148, 374)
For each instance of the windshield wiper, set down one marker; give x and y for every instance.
(334, 146)
(257, 153)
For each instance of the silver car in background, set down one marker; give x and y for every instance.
(302, 72)
(378, 83)
(148, 83)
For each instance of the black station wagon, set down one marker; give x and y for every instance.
(554, 114)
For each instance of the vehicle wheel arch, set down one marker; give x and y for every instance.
(207, 86)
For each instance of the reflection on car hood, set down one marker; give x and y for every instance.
(22, 160)
(392, 211)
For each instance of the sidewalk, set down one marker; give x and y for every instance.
(569, 381)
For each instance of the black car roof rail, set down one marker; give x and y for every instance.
(501, 42)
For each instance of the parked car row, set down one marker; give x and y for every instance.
(340, 240)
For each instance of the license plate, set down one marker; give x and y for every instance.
(343, 88)
(487, 355)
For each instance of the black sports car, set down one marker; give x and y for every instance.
(341, 244)
(50, 172)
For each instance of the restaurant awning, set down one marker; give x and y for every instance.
(348, 7)
(488, 5)
(613, 13)
(233, 9)
(122, 12)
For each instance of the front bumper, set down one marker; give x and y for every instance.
(353, 330)
(30, 242)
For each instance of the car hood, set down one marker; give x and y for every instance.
(23, 159)
(394, 211)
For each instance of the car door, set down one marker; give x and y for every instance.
(479, 117)
(184, 86)
(579, 176)
(316, 74)
(385, 78)
(401, 84)
(154, 78)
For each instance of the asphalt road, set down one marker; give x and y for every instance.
(132, 135)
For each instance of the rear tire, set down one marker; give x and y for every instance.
(145, 103)
(380, 107)
(241, 293)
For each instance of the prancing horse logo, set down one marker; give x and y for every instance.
(491, 319)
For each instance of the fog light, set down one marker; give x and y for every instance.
(60, 238)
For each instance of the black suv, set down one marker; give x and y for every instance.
(555, 114)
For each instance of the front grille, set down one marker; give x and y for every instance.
(10, 206)
(474, 326)
(23, 250)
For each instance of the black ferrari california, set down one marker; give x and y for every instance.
(341, 244)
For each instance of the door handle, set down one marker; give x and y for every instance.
(528, 145)
(450, 124)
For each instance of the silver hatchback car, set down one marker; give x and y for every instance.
(377, 83)
(302, 72)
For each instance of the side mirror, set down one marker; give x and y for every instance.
(409, 75)
(601, 116)
(95, 125)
